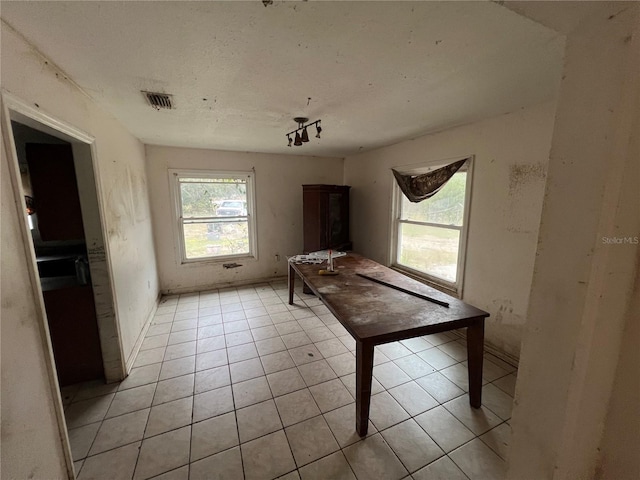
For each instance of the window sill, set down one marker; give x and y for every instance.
(218, 260)
(427, 281)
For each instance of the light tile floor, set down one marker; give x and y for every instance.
(237, 384)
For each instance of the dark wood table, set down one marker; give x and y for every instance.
(375, 314)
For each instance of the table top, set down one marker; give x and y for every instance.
(377, 313)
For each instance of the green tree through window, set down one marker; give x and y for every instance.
(215, 216)
(430, 235)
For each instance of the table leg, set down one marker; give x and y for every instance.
(475, 351)
(292, 281)
(364, 371)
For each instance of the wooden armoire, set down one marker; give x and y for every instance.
(326, 217)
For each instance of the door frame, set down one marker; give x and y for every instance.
(84, 149)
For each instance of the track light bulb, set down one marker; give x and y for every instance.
(301, 134)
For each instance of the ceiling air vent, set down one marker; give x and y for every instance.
(158, 100)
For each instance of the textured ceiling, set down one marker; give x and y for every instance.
(375, 72)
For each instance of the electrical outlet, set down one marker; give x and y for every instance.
(277, 257)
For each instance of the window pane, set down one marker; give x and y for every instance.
(446, 207)
(216, 239)
(431, 250)
(213, 197)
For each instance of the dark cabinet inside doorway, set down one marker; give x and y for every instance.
(55, 188)
(61, 254)
(73, 327)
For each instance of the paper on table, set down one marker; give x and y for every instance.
(324, 254)
(305, 259)
(315, 257)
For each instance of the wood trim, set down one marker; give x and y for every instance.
(8, 102)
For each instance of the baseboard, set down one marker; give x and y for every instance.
(214, 286)
(143, 333)
(488, 348)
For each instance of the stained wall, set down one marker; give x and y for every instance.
(510, 161)
(278, 184)
(32, 435)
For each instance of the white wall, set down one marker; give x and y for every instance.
(619, 448)
(278, 182)
(511, 153)
(582, 286)
(94, 237)
(29, 442)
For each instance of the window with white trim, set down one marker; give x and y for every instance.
(214, 213)
(429, 237)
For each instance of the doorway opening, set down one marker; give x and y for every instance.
(55, 177)
(54, 212)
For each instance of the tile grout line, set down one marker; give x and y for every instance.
(150, 407)
(97, 432)
(235, 410)
(116, 416)
(411, 379)
(478, 437)
(340, 449)
(306, 387)
(321, 414)
(323, 357)
(193, 394)
(284, 431)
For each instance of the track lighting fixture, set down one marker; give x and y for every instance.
(301, 134)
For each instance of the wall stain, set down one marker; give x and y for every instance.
(523, 174)
(525, 183)
(505, 308)
(126, 204)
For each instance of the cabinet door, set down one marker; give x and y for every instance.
(337, 226)
(73, 327)
(314, 220)
(326, 217)
(55, 191)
